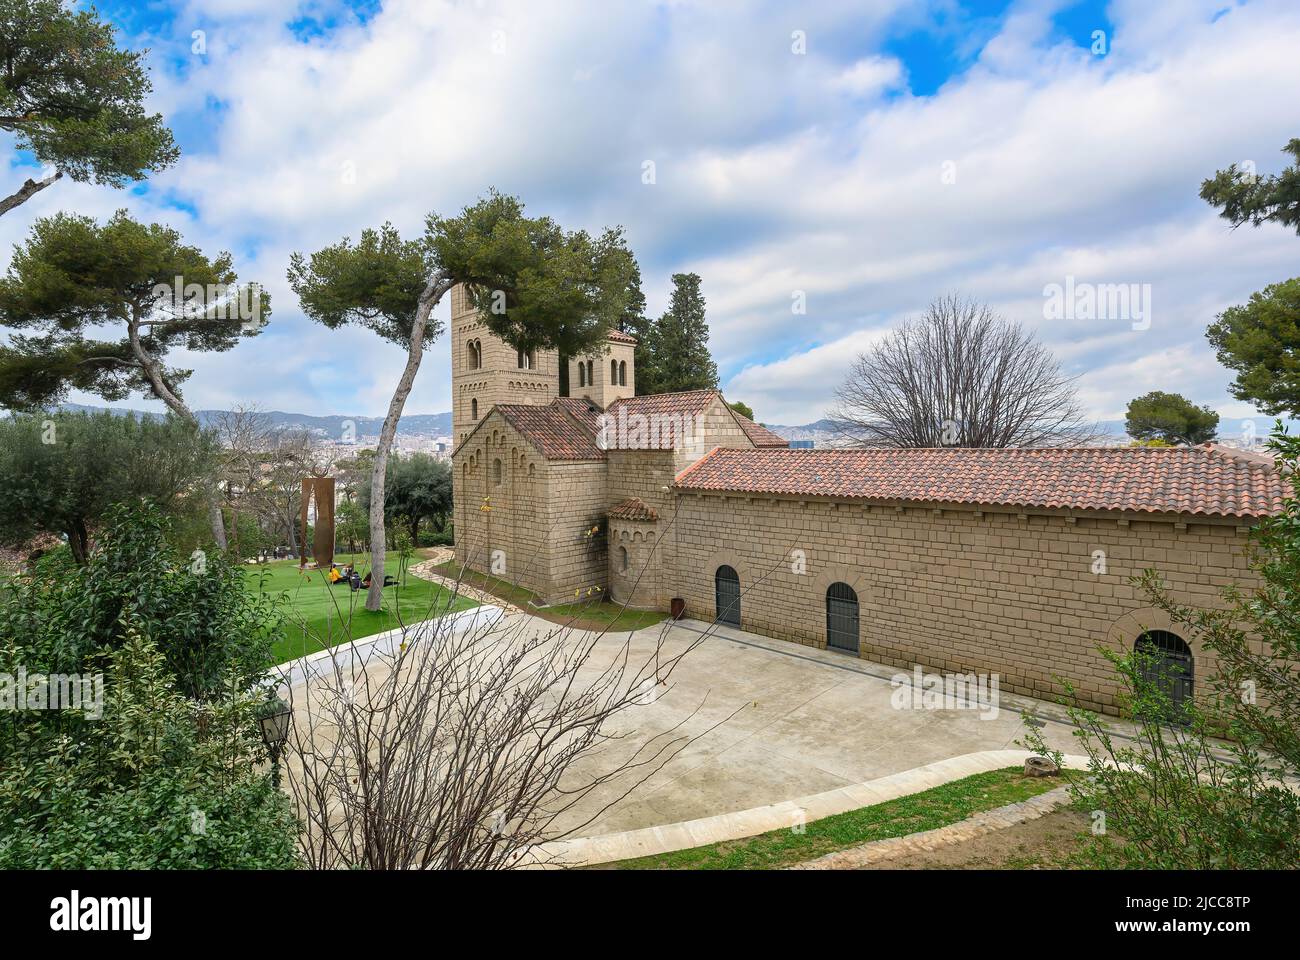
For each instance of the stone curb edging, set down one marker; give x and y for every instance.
(295, 672)
(989, 821)
(647, 841)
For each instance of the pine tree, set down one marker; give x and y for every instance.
(679, 343)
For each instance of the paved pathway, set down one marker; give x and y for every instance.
(425, 571)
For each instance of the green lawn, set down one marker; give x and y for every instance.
(317, 614)
(928, 810)
(590, 614)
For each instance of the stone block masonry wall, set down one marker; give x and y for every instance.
(499, 378)
(577, 560)
(502, 508)
(717, 428)
(642, 474)
(958, 590)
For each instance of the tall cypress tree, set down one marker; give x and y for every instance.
(680, 342)
(635, 323)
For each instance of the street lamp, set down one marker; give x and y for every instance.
(273, 722)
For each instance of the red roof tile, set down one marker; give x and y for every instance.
(1195, 480)
(587, 412)
(618, 336)
(759, 435)
(665, 416)
(555, 434)
(633, 508)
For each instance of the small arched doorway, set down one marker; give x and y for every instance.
(842, 618)
(726, 593)
(1168, 664)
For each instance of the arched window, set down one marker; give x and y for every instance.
(726, 594)
(591, 373)
(622, 558)
(473, 409)
(474, 354)
(622, 373)
(841, 618)
(525, 359)
(496, 473)
(532, 468)
(613, 372)
(1166, 662)
(582, 374)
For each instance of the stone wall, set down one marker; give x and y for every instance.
(956, 590)
(502, 514)
(576, 535)
(642, 474)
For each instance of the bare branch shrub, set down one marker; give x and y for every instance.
(960, 376)
(471, 741)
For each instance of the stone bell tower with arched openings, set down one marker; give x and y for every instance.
(485, 370)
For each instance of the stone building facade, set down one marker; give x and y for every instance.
(1009, 562)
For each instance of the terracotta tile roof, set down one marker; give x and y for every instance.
(555, 434)
(759, 435)
(586, 411)
(664, 414)
(633, 508)
(1196, 480)
(618, 336)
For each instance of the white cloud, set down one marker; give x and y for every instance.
(776, 172)
(871, 75)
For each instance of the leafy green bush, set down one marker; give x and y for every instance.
(167, 774)
(195, 607)
(438, 538)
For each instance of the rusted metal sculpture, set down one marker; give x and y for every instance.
(321, 489)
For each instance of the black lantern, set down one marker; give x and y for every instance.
(273, 720)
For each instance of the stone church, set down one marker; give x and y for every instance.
(1015, 562)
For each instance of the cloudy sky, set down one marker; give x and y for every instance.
(865, 155)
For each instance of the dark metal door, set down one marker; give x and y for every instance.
(726, 590)
(842, 618)
(1170, 666)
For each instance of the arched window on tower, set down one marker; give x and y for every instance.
(582, 374)
(474, 354)
(613, 372)
(591, 373)
(525, 359)
(473, 409)
(622, 373)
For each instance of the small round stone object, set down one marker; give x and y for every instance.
(1040, 767)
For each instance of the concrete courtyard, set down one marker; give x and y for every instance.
(747, 721)
(774, 721)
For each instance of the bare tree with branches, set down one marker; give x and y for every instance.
(960, 376)
(470, 745)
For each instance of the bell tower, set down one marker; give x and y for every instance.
(485, 370)
(606, 375)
